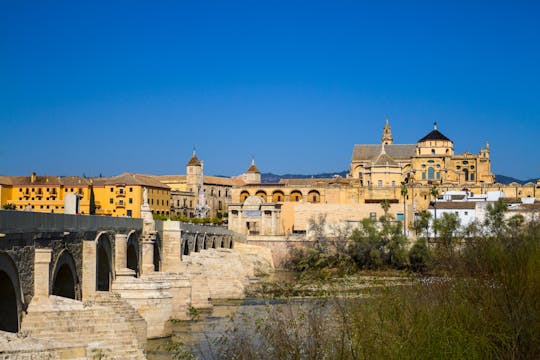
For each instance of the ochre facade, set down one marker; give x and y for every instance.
(403, 174)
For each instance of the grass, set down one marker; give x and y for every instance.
(483, 304)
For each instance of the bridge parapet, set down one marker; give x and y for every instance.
(13, 222)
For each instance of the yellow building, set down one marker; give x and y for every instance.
(116, 196)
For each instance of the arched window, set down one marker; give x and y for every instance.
(278, 196)
(296, 196)
(314, 196)
(261, 194)
(431, 173)
(243, 196)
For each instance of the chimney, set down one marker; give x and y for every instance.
(33, 178)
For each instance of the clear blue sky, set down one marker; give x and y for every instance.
(106, 87)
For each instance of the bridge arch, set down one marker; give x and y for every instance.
(132, 253)
(12, 298)
(185, 247)
(65, 281)
(104, 262)
(157, 253)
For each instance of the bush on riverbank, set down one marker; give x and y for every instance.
(487, 308)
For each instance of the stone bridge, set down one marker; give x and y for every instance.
(77, 257)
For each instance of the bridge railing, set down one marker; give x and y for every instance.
(26, 221)
(194, 228)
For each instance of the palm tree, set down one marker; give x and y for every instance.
(385, 205)
(435, 194)
(404, 192)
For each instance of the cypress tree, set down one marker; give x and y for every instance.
(92, 201)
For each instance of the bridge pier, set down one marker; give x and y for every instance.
(120, 255)
(42, 263)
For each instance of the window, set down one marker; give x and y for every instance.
(466, 213)
(438, 175)
(423, 175)
(379, 183)
(130, 189)
(130, 200)
(373, 215)
(393, 183)
(129, 213)
(472, 176)
(433, 151)
(400, 217)
(431, 173)
(112, 190)
(111, 200)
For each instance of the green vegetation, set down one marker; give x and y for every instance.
(9, 206)
(480, 302)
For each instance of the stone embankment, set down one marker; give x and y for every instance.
(116, 324)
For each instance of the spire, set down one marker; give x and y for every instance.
(194, 161)
(194, 151)
(253, 168)
(387, 133)
(435, 125)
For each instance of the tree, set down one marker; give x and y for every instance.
(419, 256)
(494, 221)
(385, 205)
(9, 206)
(447, 227)
(422, 223)
(92, 201)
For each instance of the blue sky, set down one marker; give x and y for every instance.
(107, 87)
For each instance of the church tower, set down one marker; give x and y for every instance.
(194, 173)
(387, 134)
(252, 175)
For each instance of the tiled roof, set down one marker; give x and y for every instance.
(194, 161)
(132, 179)
(315, 181)
(457, 205)
(433, 136)
(384, 160)
(369, 152)
(253, 169)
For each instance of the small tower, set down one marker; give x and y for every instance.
(387, 138)
(194, 172)
(252, 175)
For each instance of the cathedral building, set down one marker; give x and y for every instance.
(404, 175)
(430, 161)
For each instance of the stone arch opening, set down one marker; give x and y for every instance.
(214, 243)
(103, 263)
(222, 243)
(11, 298)
(132, 253)
(186, 248)
(204, 244)
(230, 244)
(244, 195)
(197, 243)
(9, 317)
(261, 194)
(65, 281)
(296, 195)
(157, 253)
(314, 196)
(278, 196)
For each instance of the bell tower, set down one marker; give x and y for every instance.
(387, 138)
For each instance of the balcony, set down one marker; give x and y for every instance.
(120, 204)
(120, 193)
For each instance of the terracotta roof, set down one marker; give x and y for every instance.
(315, 181)
(253, 168)
(369, 152)
(434, 135)
(170, 178)
(133, 179)
(458, 205)
(5, 180)
(384, 160)
(194, 161)
(39, 180)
